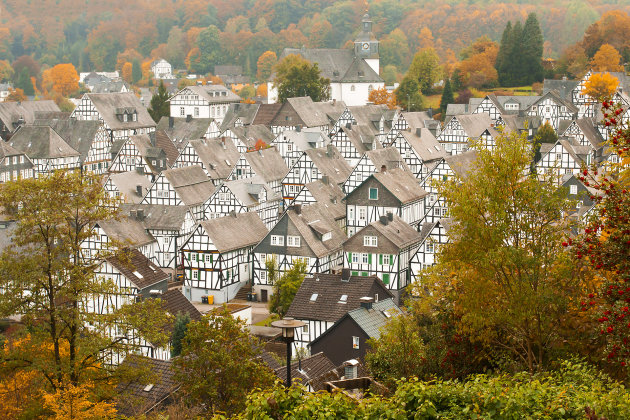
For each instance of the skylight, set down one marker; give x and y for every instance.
(148, 388)
(343, 299)
(314, 297)
(135, 273)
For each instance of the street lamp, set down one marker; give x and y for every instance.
(288, 326)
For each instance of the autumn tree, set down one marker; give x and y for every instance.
(126, 72)
(265, 64)
(285, 288)
(601, 86)
(382, 96)
(545, 134)
(261, 90)
(65, 79)
(219, 364)
(159, 106)
(394, 49)
(209, 51)
(297, 77)
(25, 84)
(426, 69)
(408, 94)
(6, 71)
(505, 271)
(46, 278)
(136, 71)
(607, 58)
(16, 95)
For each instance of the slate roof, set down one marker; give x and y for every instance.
(160, 217)
(138, 269)
(184, 130)
(331, 163)
(78, 134)
(243, 188)
(163, 141)
(389, 157)
(577, 152)
(425, 145)
(10, 112)
(313, 221)
(177, 303)
(338, 65)
(401, 184)
(457, 109)
(372, 321)
(127, 183)
(368, 115)
(126, 231)
(219, 156)
(564, 88)
(416, 119)
(587, 125)
(107, 105)
(329, 288)
(207, 92)
(191, 184)
(245, 112)
(397, 235)
(461, 163)
(303, 140)
(518, 123)
(7, 150)
(236, 231)
(329, 195)
(557, 98)
(362, 138)
(312, 367)
(267, 163)
(111, 86)
(474, 124)
(266, 113)
(41, 142)
(250, 134)
(133, 399)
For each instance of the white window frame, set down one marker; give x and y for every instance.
(573, 189)
(293, 241)
(370, 240)
(355, 342)
(277, 240)
(365, 258)
(370, 193)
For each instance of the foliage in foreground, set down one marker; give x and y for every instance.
(566, 393)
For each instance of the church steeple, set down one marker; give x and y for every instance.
(366, 44)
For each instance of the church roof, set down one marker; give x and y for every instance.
(338, 65)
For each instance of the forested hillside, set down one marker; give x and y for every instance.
(93, 34)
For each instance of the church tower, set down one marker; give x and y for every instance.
(366, 45)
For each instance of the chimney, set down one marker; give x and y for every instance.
(140, 214)
(345, 274)
(223, 141)
(419, 132)
(298, 128)
(325, 179)
(329, 150)
(188, 118)
(390, 216)
(132, 214)
(383, 168)
(297, 208)
(139, 190)
(384, 220)
(140, 170)
(171, 122)
(351, 369)
(349, 126)
(366, 302)
(152, 138)
(430, 112)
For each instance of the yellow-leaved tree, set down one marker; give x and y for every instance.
(600, 86)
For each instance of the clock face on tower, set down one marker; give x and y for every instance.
(365, 46)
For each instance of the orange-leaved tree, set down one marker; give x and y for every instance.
(382, 96)
(600, 86)
(265, 64)
(607, 58)
(16, 95)
(65, 79)
(127, 70)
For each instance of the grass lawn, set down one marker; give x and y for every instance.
(432, 101)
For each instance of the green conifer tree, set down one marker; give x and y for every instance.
(136, 71)
(447, 97)
(24, 83)
(504, 50)
(159, 106)
(513, 66)
(179, 332)
(532, 50)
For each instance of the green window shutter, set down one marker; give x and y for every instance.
(211, 258)
(189, 253)
(386, 278)
(369, 258)
(364, 273)
(355, 273)
(391, 260)
(349, 257)
(197, 257)
(380, 259)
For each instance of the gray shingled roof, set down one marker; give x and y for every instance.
(474, 124)
(389, 157)
(330, 162)
(313, 221)
(563, 87)
(78, 134)
(208, 92)
(338, 65)
(128, 182)
(425, 145)
(245, 112)
(242, 190)
(191, 184)
(160, 217)
(303, 140)
(401, 184)
(127, 231)
(107, 103)
(183, 129)
(115, 86)
(329, 288)
(7, 150)
(461, 163)
(267, 163)
(10, 112)
(362, 138)
(396, 233)
(416, 119)
(372, 321)
(329, 195)
(250, 134)
(236, 231)
(138, 269)
(219, 156)
(306, 369)
(41, 142)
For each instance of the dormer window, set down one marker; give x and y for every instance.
(125, 117)
(134, 117)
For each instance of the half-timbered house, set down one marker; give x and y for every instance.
(409, 121)
(14, 164)
(419, 149)
(328, 194)
(392, 191)
(585, 132)
(322, 299)
(217, 256)
(128, 187)
(291, 144)
(217, 157)
(265, 163)
(566, 156)
(139, 153)
(302, 112)
(188, 186)
(124, 232)
(122, 114)
(303, 233)
(552, 109)
(587, 105)
(246, 138)
(168, 225)
(209, 101)
(353, 141)
(239, 114)
(457, 132)
(244, 195)
(45, 148)
(383, 248)
(313, 165)
(581, 195)
(371, 162)
(16, 114)
(181, 130)
(432, 236)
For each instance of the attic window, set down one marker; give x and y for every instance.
(437, 147)
(227, 162)
(135, 273)
(343, 299)
(148, 388)
(314, 297)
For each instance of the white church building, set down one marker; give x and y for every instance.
(353, 73)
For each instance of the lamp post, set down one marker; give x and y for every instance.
(288, 326)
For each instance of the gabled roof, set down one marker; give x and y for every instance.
(182, 129)
(160, 217)
(361, 137)
(416, 119)
(371, 321)
(250, 134)
(41, 142)
(126, 231)
(306, 369)
(244, 112)
(577, 152)
(330, 196)
(213, 93)
(266, 113)
(518, 123)
(191, 184)
(7, 150)
(369, 115)
(331, 163)
(219, 156)
(109, 104)
(267, 164)
(176, 303)
(389, 157)
(332, 63)
(78, 134)
(396, 232)
(236, 231)
(243, 188)
(329, 288)
(564, 88)
(303, 140)
(11, 112)
(461, 163)
(110, 86)
(594, 137)
(401, 184)
(474, 124)
(360, 71)
(556, 98)
(128, 182)
(138, 269)
(426, 145)
(312, 222)
(163, 141)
